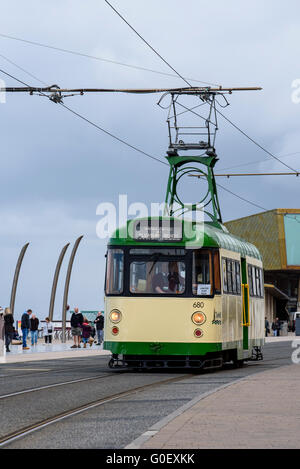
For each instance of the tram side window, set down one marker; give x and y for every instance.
(115, 272)
(256, 281)
(202, 273)
(250, 280)
(217, 277)
(238, 277)
(224, 269)
(231, 276)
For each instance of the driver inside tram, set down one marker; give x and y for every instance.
(168, 283)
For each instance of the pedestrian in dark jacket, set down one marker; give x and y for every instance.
(34, 329)
(86, 332)
(8, 328)
(25, 326)
(276, 326)
(267, 327)
(99, 321)
(76, 322)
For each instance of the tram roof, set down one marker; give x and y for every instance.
(194, 235)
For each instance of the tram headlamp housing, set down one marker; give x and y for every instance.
(115, 316)
(198, 318)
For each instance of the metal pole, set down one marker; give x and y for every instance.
(55, 280)
(16, 278)
(66, 291)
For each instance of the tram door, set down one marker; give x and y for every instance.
(245, 305)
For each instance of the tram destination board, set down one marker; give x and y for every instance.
(157, 230)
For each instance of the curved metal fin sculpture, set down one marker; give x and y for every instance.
(16, 278)
(66, 290)
(55, 280)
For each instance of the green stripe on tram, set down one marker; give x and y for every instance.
(161, 348)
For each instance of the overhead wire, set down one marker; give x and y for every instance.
(219, 112)
(267, 160)
(256, 143)
(92, 123)
(89, 56)
(124, 142)
(244, 133)
(146, 42)
(22, 69)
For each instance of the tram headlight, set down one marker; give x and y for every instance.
(115, 316)
(198, 318)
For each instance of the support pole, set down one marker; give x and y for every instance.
(66, 290)
(16, 278)
(55, 280)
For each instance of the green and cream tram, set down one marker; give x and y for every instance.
(182, 294)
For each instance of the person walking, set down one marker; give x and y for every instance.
(267, 327)
(34, 329)
(276, 326)
(48, 331)
(99, 321)
(86, 332)
(76, 322)
(25, 326)
(8, 328)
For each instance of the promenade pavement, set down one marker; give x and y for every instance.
(53, 351)
(261, 411)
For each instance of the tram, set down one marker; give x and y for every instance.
(182, 294)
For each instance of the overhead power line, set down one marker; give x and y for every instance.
(147, 43)
(101, 59)
(267, 160)
(21, 68)
(246, 135)
(248, 174)
(126, 143)
(92, 123)
(256, 143)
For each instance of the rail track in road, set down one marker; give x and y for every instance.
(6, 439)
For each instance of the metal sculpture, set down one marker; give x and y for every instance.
(55, 280)
(16, 278)
(66, 290)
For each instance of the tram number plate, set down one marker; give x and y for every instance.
(198, 305)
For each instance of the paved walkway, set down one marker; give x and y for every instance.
(259, 412)
(53, 351)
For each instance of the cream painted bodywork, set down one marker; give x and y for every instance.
(160, 319)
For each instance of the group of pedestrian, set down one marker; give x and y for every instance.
(28, 325)
(31, 324)
(83, 331)
(80, 326)
(276, 327)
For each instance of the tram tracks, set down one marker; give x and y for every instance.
(24, 431)
(54, 385)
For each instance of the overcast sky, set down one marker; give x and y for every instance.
(56, 169)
